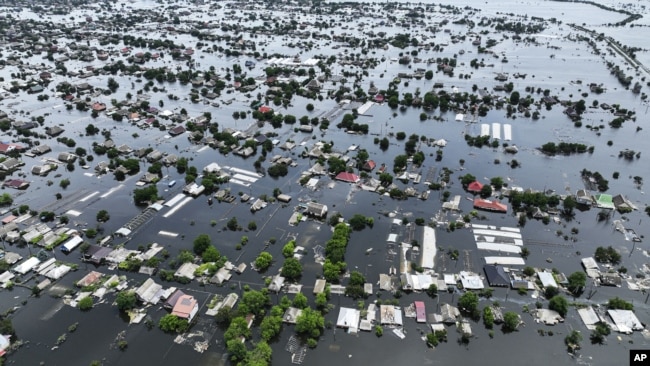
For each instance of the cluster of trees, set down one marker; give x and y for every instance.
(335, 253)
(601, 182)
(530, 200)
(354, 288)
(607, 255)
(170, 323)
(348, 124)
(359, 222)
(566, 148)
(145, 196)
(291, 269)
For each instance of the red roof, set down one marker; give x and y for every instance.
(379, 98)
(490, 205)
(420, 312)
(265, 108)
(369, 165)
(347, 177)
(475, 186)
(184, 307)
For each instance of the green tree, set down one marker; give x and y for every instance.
(468, 302)
(291, 269)
(232, 224)
(514, 98)
(432, 291)
(254, 302)
(486, 191)
(559, 304)
(103, 216)
(263, 261)
(287, 250)
(358, 222)
(569, 204)
(488, 317)
(236, 349)
(310, 323)
(573, 340)
(510, 321)
(260, 355)
(270, 327)
(598, 335)
(126, 300)
(224, 315)
(618, 303)
(321, 300)
(143, 196)
(300, 301)
(201, 243)
(6, 199)
(577, 281)
(211, 254)
(86, 303)
(607, 255)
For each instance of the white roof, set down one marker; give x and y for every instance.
(547, 279)
(348, 318)
(450, 279)
(471, 281)
(27, 265)
(429, 247)
(625, 320)
(511, 261)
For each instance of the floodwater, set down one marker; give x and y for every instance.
(40, 321)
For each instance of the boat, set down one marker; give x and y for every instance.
(368, 250)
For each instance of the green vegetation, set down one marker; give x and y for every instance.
(172, 324)
(202, 243)
(559, 304)
(468, 304)
(310, 323)
(291, 269)
(287, 250)
(145, 196)
(126, 300)
(573, 340)
(510, 321)
(488, 317)
(103, 216)
(359, 222)
(354, 288)
(254, 302)
(565, 148)
(607, 255)
(618, 303)
(598, 335)
(263, 261)
(577, 282)
(86, 303)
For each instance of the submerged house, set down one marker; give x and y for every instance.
(316, 209)
(186, 307)
(490, 205)
(496, 275)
